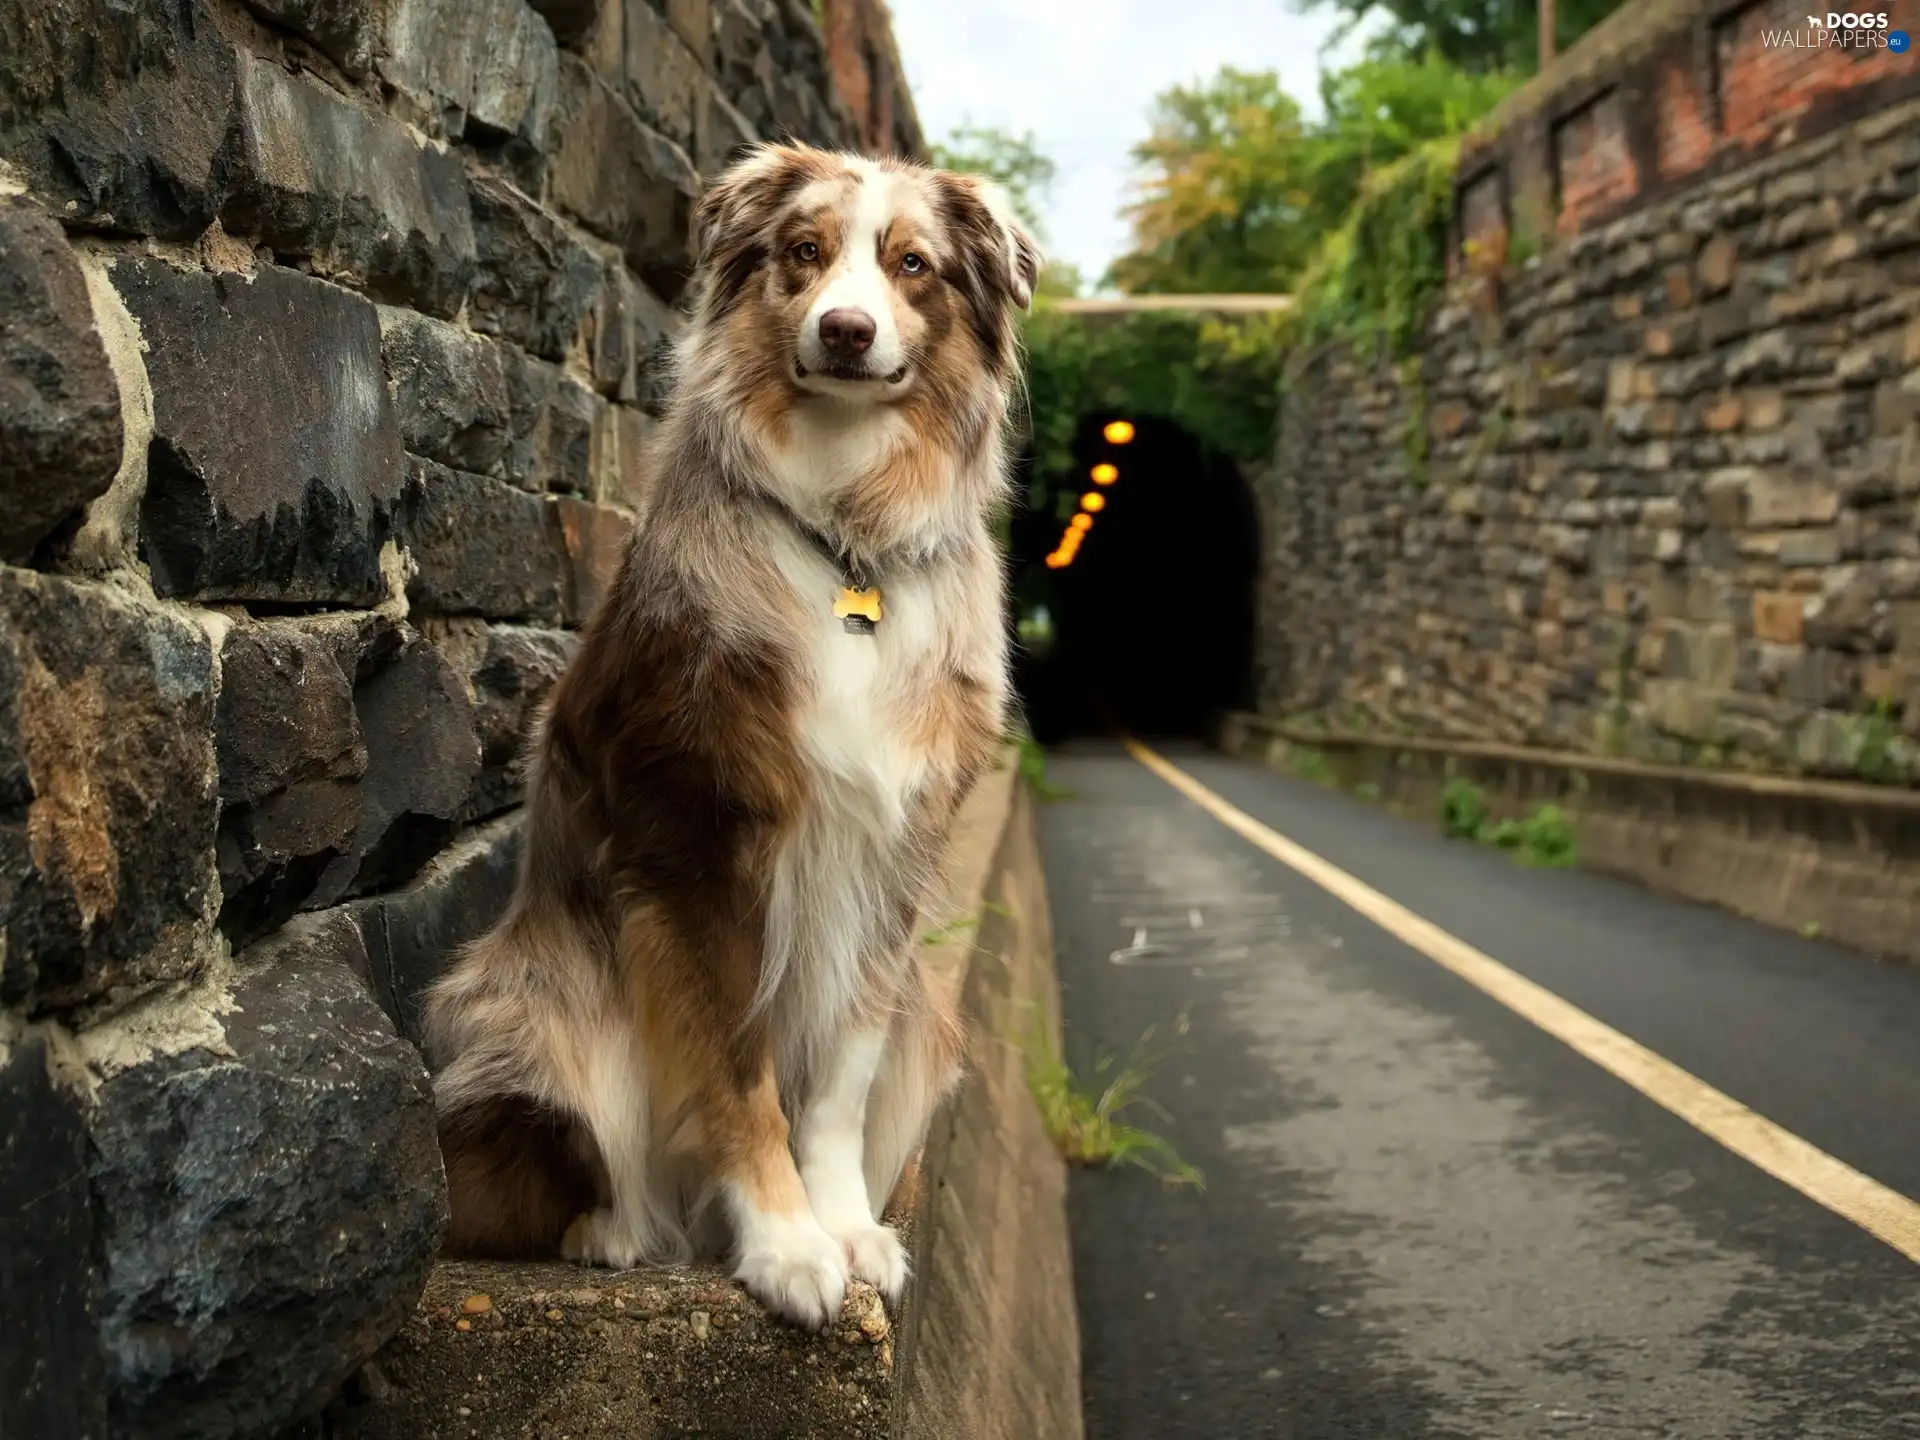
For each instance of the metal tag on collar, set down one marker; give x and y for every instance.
(858, 608)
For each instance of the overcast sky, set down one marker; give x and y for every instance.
(1081, 74)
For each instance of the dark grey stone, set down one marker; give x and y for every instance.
(345, 31)
(59, 406)
(721, 134)
(632, 348)
(416, 718)
(536, 284)
(323, 179)
(662, 79)
(267, 1216)
(118, 113)
(295, 503)
(107, 807)
(482, 547)
(449, 390)
(552, 418)
(624, 180)
(570, 20)
(771, 63)
(291, 758)
(50, 1370)
(411, 935)
(508, 669)
(486, 68)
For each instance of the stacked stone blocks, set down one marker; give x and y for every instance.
(330, 331)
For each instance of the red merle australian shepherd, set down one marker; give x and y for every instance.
(701, 1023)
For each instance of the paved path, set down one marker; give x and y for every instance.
(1426, 1217)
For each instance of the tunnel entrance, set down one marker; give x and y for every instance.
(1147, 623)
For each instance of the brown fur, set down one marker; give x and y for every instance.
(673, 806)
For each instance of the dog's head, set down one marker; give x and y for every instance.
(861, 280)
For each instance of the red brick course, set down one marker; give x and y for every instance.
(1666, 92)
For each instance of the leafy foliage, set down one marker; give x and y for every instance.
(1220, 379)
(1227, 205)
(1376, 272)
(1463, 809)
(1476, 35)
(1240, 193)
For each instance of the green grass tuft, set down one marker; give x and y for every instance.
(1083, 1115)
(1463, 809)
(1546, 839)
(1033, 769)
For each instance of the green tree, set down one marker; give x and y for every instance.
(1014, 160)
(1386, 107)
(1477, 35)
(1240, 192)
(1018, 163)
(1226, 201)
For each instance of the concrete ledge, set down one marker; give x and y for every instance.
(987, 1343)
(1792, 853)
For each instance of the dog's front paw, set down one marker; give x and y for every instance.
(875, 1255)
(597, 1239)
(800, 1275)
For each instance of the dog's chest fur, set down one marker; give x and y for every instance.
(853, 862)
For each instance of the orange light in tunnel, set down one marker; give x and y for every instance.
(1105, 474)
(1082, 521)
(1118, 432)
(1093, 500)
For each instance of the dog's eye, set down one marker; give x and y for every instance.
(912, 264)
(807, 250)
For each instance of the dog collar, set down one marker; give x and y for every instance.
(858, 606)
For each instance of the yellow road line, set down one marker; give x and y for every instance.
(1881, 1212)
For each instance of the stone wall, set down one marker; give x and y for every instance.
(328, 333)
(1654, 491)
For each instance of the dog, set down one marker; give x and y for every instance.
(701, 1022)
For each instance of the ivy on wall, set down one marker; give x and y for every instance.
(1375, 276)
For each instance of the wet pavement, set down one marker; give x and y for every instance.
(1423, 1216)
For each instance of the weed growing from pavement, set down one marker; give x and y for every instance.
(954, 929)
(1543, 840)
(1033, 769)
(1082, 1115)
(1463, 809)
(1310, 764)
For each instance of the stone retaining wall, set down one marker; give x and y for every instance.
(1824, 858)
(1653, 492)
(328, 333)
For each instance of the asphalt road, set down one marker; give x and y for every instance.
(1425, 1217)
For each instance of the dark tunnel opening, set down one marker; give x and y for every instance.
(1152, 616)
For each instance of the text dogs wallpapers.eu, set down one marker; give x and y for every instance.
(701, 1025)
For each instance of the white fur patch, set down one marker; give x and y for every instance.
(787, 1262)
(831, 903)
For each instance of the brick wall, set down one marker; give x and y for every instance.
(328, 333)
(1664, 94)
(1670, 500)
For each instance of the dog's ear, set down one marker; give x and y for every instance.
(730, 220)
(1023, 257)
(1000, 252)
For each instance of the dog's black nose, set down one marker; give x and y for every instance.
(846, 332)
